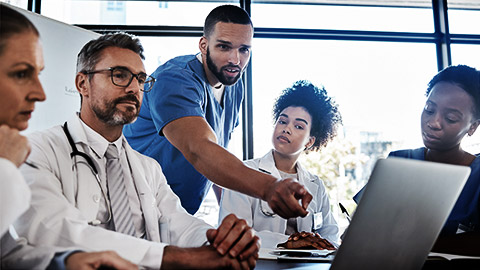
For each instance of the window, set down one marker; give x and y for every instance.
(310, 16)
(379, 86)
(465, 21)
(178, 13)
(18, 3)
(379, 90)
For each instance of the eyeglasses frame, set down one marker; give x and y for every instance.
(150, 80)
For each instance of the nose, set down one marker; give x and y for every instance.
(134, 86)
(287, 131)
(434, 122)
(234, 58)
(36, 93)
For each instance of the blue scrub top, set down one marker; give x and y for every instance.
(466, 209)
(182, 89)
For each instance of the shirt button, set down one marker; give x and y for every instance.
(96, 198)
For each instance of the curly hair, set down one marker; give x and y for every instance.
(463, 76)
(324, 111)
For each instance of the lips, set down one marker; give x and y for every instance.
(27, 113)
(430, 137)
(232, 70)
(283, 138)
(130, 99)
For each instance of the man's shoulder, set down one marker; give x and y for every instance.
(52, 133)
(183, 63)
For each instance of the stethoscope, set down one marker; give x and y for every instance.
(94, 170)
(260, 201)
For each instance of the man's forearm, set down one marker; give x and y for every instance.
(228, 171)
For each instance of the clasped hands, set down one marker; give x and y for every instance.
(235, 239)
(233, 245)
(306, 240)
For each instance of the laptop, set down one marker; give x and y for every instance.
(402, 211)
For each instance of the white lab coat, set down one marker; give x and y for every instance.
(66, 197)
(14, 194)
(16, 253)
(271, 229)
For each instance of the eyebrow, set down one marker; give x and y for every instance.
(23, 63)
(129, 69)
(449, 110)
(230, 43)
(297, 119)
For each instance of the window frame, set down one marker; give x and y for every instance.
(441, 37)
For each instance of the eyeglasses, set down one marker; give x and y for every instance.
(122, 76)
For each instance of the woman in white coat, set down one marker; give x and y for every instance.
(306, 118)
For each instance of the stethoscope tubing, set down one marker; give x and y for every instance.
(94, 170)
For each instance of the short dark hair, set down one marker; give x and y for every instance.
(13, 22)
(463, 76)
(90, 54)
(321, 107)
(226, 14)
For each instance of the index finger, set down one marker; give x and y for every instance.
(299, 193)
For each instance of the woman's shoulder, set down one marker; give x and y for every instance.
(418, 153)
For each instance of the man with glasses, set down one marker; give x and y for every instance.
(186, 121)
(93, 191)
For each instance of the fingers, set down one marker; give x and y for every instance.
(93, 260)
(234, 236)
(211, 234)
(252, 261)
(13, 146)
(284, 198)
(306, 199)
(244, 265)
(308, 239)
(112, 259)
(222, 232)
(251, 250)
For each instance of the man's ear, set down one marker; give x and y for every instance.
(473, 127)
(81, 82)
(203, 45)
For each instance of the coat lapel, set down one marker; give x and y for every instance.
(145, 195)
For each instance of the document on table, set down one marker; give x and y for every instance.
(296, 254)
(451, 256)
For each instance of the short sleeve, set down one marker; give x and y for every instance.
(177, 93)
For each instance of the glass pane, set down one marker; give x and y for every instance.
(379, 90)
(18, 3)
(129, 12)
(466, 54)
(342, 17)
(463, 54)
(462, 21)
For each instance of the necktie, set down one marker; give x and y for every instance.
(122, 216)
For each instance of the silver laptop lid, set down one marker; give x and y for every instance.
(403, 209)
